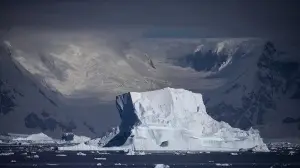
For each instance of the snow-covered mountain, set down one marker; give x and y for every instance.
(55, 82)
(29, 106)
(261, 94)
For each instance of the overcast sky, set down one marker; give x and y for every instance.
(209, 18)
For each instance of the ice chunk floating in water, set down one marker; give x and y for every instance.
(176, 119)
(39, 138)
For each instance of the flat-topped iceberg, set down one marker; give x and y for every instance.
(176, 120)
(171, 120)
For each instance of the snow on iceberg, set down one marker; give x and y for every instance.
(40, 137)
(80, 139)
(85, 147)
(105, 138)
(176, 120)
(161, 166)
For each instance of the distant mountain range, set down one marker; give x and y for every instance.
(66, 86)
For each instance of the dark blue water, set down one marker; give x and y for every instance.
(45, 156)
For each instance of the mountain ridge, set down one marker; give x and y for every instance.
(147, 64)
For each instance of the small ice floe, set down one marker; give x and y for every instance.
(234, 154)
(61, 155)
(99, 164)
(177, 153)
(25, 153)
(211, 161)
(81, 154)
(13, 161)
(100, 158)
(102, 153)
(33, 157)
(58, 151)
(131, 152)
(55, 148)
(6, 154)
(161, 166)
(52, 164)
(223, 164)
(120, 164)
(292, 153)
(140, 153)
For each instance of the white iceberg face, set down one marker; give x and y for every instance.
(161, 166)
(39, 138)
(176, 119)
(80, 139)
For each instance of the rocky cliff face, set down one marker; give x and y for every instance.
(275, 84)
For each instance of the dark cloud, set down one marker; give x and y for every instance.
(202, 18)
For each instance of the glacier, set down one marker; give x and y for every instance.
(174, 120)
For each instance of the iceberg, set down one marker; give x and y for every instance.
(80, 139)
(176, 120)
(161, 166)
(38, 138)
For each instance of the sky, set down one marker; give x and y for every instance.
(169, 18)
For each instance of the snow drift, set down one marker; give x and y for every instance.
(176, 120)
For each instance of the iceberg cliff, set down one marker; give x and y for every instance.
(176, 120)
